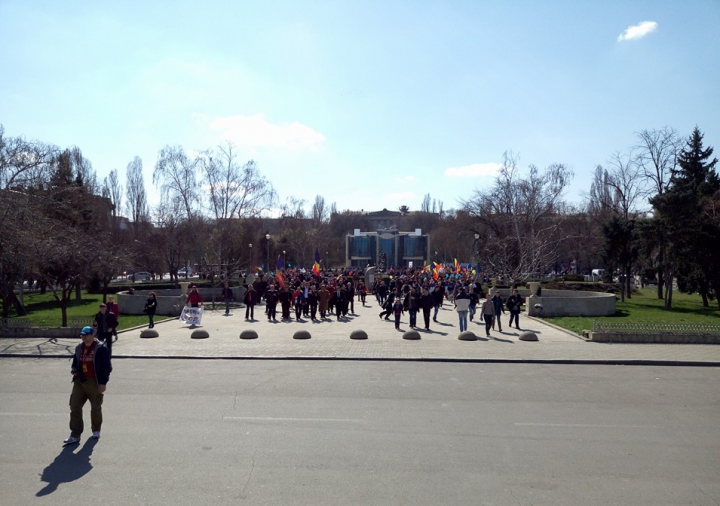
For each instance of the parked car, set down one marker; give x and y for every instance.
(141, 276)
(184, 272)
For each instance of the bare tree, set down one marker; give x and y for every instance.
(657, 156)
(137, 205)
(112, 189)
(425, 204)
(235, 191)
(175, 173)
(294, 208)
(319, 211)
(516, 218)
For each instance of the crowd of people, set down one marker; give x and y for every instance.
(298, 293)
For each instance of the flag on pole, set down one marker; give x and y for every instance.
(457, 266)
(317, 256)
(280, 279)
(279, 264)
(316, 268)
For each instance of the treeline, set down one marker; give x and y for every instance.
(652, 211)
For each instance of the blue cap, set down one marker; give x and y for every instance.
(86, 331)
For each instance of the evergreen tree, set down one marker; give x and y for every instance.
(694, 240)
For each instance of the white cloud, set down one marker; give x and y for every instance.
(474, 170)
(405, 179)
(401, 197)
(256, 131)
(638, 31)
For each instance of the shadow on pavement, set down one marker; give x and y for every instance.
(67, 467)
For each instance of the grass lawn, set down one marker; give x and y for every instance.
(44, 311)
(646, 307)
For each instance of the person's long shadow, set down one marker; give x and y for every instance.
(67, 467)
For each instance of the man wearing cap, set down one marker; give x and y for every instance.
(105, 325)
(91, 368)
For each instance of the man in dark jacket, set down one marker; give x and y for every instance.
(427, 302)
(91, 368)
(228, 296)
(105, 325)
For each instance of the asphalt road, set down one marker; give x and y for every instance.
(181, 432)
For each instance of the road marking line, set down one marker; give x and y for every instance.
(33, 414)
(588, 425)
(276, 419)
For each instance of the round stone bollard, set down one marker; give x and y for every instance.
(199, 334)
(411, 335)
(528, 336)
(248, 334)
(467, 336)
(358, 334)
(149, 334)
(302, 334)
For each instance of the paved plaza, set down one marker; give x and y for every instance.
(330, 339)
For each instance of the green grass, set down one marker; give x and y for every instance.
(44, 311)
(646, 307)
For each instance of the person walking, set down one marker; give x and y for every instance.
(250, 299)
(271, 299)
(91, 368)
(312, 302)
(488, 313)
(150, 309)
(513, 304)
(323, 299)
(438, 296)
(498, 303)
(427, 302)
(113, 308)
(105, 324)
(412, 302)
(462, 305)
(228, 296)
(398, 309)
(388, 307)
(194, 298)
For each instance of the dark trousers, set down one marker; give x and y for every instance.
(413, 317)
(516, 316)
(488, 323)
(107, 338)
(272, 311)
(81, 393)
(250, 310)
(426, 317)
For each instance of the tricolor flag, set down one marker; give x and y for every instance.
(457, 266)
(279, 264)
(317, 256)
(280, 279)
(316, 268)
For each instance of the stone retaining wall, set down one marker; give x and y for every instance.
(665, 337)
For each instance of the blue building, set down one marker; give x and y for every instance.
(389, 247)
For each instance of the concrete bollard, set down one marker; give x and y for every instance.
(199, 334)
(358, 334)
(149, 334)
(248, 334)
(411, 335)
(467, 336)
(528, 336)
(302, 334)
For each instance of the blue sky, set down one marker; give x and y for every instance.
(370, 104)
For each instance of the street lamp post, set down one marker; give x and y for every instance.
(251, 257)
(284, 260)
(267, 266)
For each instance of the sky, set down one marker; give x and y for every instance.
(370, 104)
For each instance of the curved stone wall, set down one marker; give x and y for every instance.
(571, 303)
